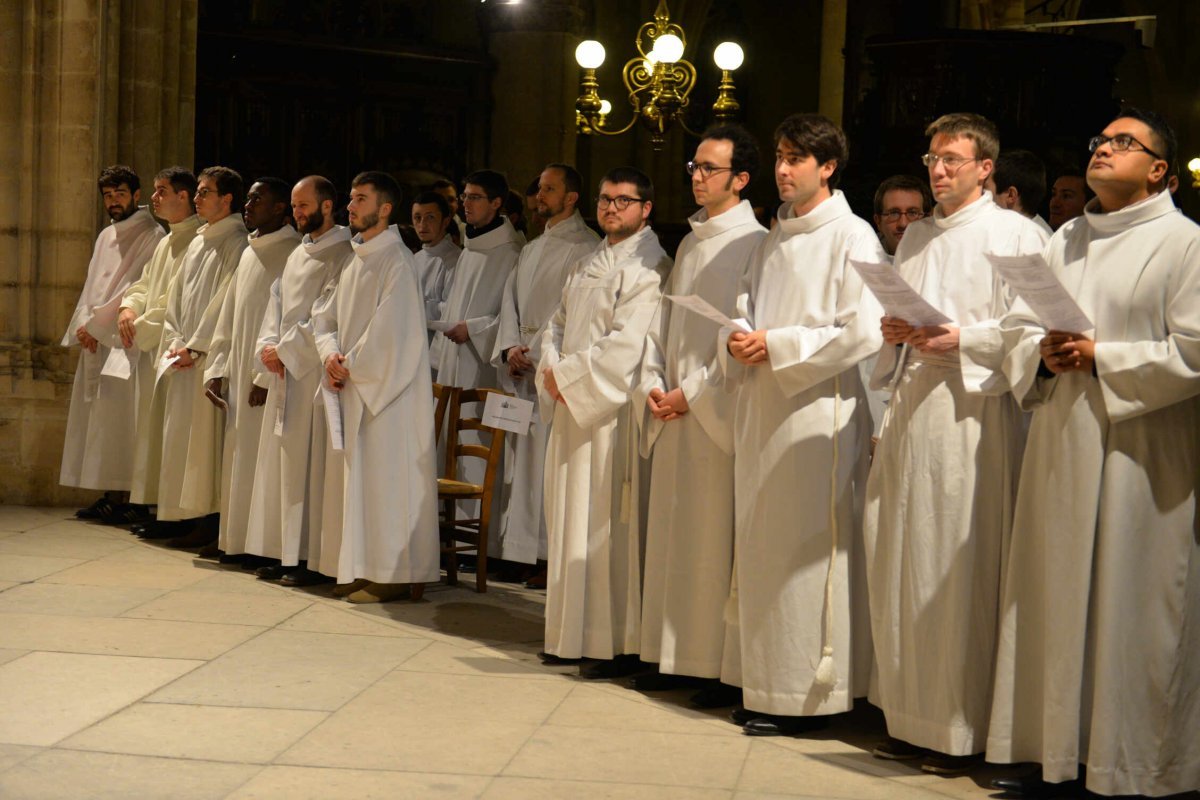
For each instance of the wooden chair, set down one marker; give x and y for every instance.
(459, 535)
(443, 398)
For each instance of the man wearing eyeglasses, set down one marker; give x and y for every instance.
(686, 416)
(591, 350)
(1099, 650)
(801, 434)
(531, 296)
(940, 493)
(900, 201)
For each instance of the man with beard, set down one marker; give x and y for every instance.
(435, 261)
(230, 375)
(141, 324)
(591, 350)
(290, 477)
(104, 398)
(801, 442)
(189, 484)
(686, 414)
(371, 340)
(531, 296)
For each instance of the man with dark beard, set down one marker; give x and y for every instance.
(281, 524)
(102, 419)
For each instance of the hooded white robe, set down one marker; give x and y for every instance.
(689, 530)
(102, 419)
(1099, 643)
(375, 319)
(232, 358)
(801, 440)
(279, 509)
(434, 265)
(939, 499)
(189, 482)
(148, 298)
(532, 294)
(594, 343)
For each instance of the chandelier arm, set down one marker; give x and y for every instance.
(594, 123)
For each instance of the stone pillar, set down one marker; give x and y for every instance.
(833, 59)
(533, 51)
(84, 83)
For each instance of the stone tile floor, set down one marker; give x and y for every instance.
(128, 670)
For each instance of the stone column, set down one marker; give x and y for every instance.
(84, 83)
(833, 59)
(533, 51)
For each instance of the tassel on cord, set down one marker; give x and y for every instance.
(826, 675)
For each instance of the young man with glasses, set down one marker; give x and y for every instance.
(686, 415)
(1099, 650)
(591, 350)
(900, 201)
(801, 438)
(939, 497)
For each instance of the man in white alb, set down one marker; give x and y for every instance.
(431, 219)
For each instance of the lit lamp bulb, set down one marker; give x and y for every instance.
(728, 56)
(668, 48)
(605, 107)
(650, 62)
(589, 54)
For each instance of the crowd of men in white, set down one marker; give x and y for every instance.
(1012, 571)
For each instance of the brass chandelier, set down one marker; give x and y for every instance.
(659, 81)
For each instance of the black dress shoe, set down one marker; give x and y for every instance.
(211, 551)
(163, 529)
(1034, 785)
(273, 572)
(551, 660)
(302, 576)
(741, 715)
(617, 667)
(775, 725)
(96, 510)
(716, 695)
(663, 682)
(246, 561)
(200, 536)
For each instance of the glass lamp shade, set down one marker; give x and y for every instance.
(605, 107)
(589, 54)
(668, 48)
(728, 56)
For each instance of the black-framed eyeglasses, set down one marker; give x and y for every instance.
(951, 162)
(472, 197)
(912, 214)
(1120, 143)
(621, 201)
(706, 170)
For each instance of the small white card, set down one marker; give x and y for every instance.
(895, 295)
(164, 364)
(333, 417)
(1031, 278)
(507, 413)
(119, 364)
(280, 390)
(697, 304)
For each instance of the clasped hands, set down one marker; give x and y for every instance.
(927, 338)
(748, 348)
(666, 406)
(518, 363)
(337, 371)
(1067, 352)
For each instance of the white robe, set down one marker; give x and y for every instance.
(434, 264)
(939, 499)
(147, 297)
(1099, 647)
(279, 508)
(689, 530)
(102, 419)
(531, 296)
(189, 482)
(801, 439)
(233, 358)
(390, 523)
(594, 342)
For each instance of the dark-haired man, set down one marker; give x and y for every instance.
(1019, 184)
(1099, 651)
(435, 261)
(939, 498)
(1068, 195)
(371, 339)
(531, 296)
(231, 370)
(287, 520)
(102, 419)
(687, 414)
(591, 350)
(801, 439)
(141, 325)
(450, 193)
(900, 201)
(189, 483)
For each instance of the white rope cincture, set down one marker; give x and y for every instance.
(826, 675)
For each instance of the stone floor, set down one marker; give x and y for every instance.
(128, 670)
